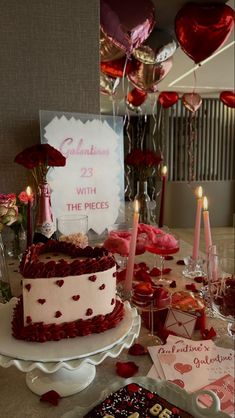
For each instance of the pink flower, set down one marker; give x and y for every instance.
(23, 197)
(8, 209)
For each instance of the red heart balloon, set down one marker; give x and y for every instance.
(192, 101)
(168, 98)
(119, 68)
(202, 28)
(228, 98)
(135, 99)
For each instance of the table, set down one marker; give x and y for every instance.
(17, 401)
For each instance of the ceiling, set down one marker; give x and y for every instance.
(213, 76)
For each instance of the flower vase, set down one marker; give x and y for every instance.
(44, 225)
(144, 202)
(5, 290)
(18, 241)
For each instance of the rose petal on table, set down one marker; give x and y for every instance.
(172, 284)
(142, 265)
(191, 287)
(208, 334)
(126, 369)
(169, 257)
(52, 397)
(199, 279)
(167, 270)
(137, 350)
(155, 272)
(121, 275)
(142, 276)
(180, 263)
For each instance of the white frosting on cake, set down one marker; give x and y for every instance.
(44, 298)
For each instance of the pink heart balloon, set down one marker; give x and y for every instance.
(182, 368)
(147, 76)
(192, 101)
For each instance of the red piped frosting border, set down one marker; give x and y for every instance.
(96, 259)
(39, 332)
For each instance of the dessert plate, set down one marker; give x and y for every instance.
(63, 350)
(169, 391)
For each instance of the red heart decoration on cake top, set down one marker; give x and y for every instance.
(76, 297)
(89, 312)
(41, 301)
(92, 278)
(178, 382)
(102, 287)
(202, 28)
(182, 368)
(228, 98)
(59, 282)
(28, 286)
(58, 314)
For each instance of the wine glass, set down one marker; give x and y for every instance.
(117, 241)
(221, 282)
(162, 245)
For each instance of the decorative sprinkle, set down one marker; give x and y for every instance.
(76, 297)
(89, 312)
(102, 287)
(28, 286)
(58, 314)
(52, 397)
(92, 278)
(41, 301)
(60, 283)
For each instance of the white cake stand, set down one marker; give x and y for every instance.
(66, 366)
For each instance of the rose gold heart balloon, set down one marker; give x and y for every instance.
(192, 101)
(108, 85)
(147, 76)
(159, 46)
(109, 51)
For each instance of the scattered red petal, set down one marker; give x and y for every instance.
(126, 369)
(172, 284)
(121, 275)
(208, 334)
(199, 279)
(52, 397)
(169, 257)
(142, 266)
(180, 262)
(155, 272)
(142, 275)
(167, 270)
(191, 287)
(137, 350)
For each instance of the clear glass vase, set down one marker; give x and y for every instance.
(144, 202)
(5, 290)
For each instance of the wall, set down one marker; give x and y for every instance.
(49, 59)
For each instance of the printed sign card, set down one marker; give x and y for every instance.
(92, 182)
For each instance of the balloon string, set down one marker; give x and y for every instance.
(127, 168)
(143, 131)
(155, 121)
(123, 77)
(191, 141)
(195, 80)
(160, 133)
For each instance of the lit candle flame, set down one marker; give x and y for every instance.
(164, 170)
(205, 203)
(136, 206)
(29, 191)
(199, 192)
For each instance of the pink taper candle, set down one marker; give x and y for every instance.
(207, 228)
(197, 228)
(161, 214)
(131, 256)
(29, 217)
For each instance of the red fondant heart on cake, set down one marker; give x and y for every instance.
(102, 287)
(58, 314)
(89, 312)
(28, 286)
(41, 301)
(59, 282)
(182, 368)
(92, 278)
(76, 297)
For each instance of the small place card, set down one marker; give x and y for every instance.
(181, 323)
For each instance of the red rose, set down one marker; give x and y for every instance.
(40, 154)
